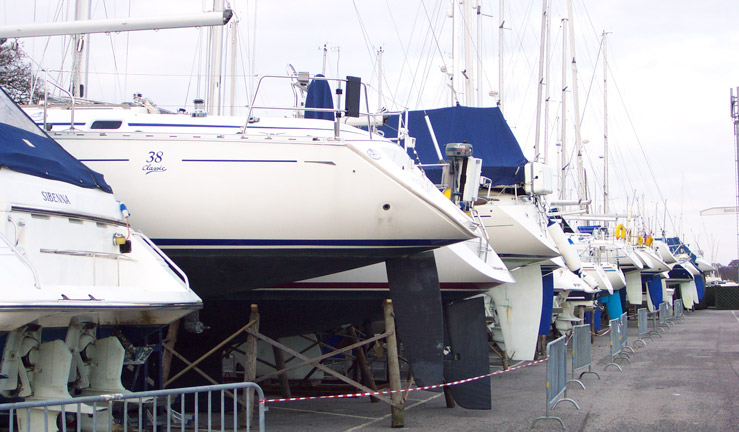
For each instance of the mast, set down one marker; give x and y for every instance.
(454, 61)
(469, 90)
(234, 40)
(479, 52)
(500, 54)
(213, 102)
(325, 56)
(541, 78)
(379, 79)
(546, 81)
(581, 192)
(563, 146)
(81, 57)
(605, 126)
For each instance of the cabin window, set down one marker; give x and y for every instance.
(106, 124)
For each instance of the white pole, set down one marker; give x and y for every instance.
(479, 53)
(500, 54)
(563, 146)
(469, 96)
(205, 19)
(540, 89)
(234, 47)
(605, 125)
(581, 192)
(547, 86)
(325, 56)
(80, 59)
(213, 101)
(379, 79)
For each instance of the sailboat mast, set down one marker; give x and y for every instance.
(547, 87)
(81, 57)
(479, 52)
(500, 54)
(581, 192)
(214, 83)
(469, 91)
(234, 47)
(563, 144)
(379, 79)
(540, 88)
(605, 125)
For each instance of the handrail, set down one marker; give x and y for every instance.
(20, 256)
(164, 256)
(46, 100)
(333, 110)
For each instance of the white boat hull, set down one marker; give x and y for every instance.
(273, 206)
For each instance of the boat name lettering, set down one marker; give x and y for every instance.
(54, 197)
(149, 168)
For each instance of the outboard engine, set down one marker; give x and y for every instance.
(463, 172)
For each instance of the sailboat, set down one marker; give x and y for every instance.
(73, 271)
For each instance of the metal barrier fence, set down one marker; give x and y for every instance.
(624, 323)
(670, 314)
(679, 310)
(642, 326)
(653, 317)
(581, 357)
(556, 378)
(662, 322)
(164, 410)
(617, 352)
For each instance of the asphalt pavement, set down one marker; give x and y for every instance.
(687, 380)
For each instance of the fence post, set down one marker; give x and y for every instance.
(556, 379)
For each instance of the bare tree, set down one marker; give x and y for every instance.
(16, 77)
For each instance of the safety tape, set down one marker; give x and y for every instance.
(387, 392)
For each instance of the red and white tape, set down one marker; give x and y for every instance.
(387, 392)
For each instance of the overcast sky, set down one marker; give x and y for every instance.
(671, 62)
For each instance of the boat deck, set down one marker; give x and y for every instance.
(688, 380)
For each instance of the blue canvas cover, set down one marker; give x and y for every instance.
(547, 304)
(25, 148)
(319, 96)
(485, 128)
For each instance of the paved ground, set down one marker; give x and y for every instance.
(688, 380)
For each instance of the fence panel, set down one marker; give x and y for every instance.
(164, 410)
(642, 326)
(556, 378)
(581, 352)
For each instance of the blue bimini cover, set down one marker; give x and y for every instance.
(25, 148)
(547, 304)
(485, 128)
(319, 96)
